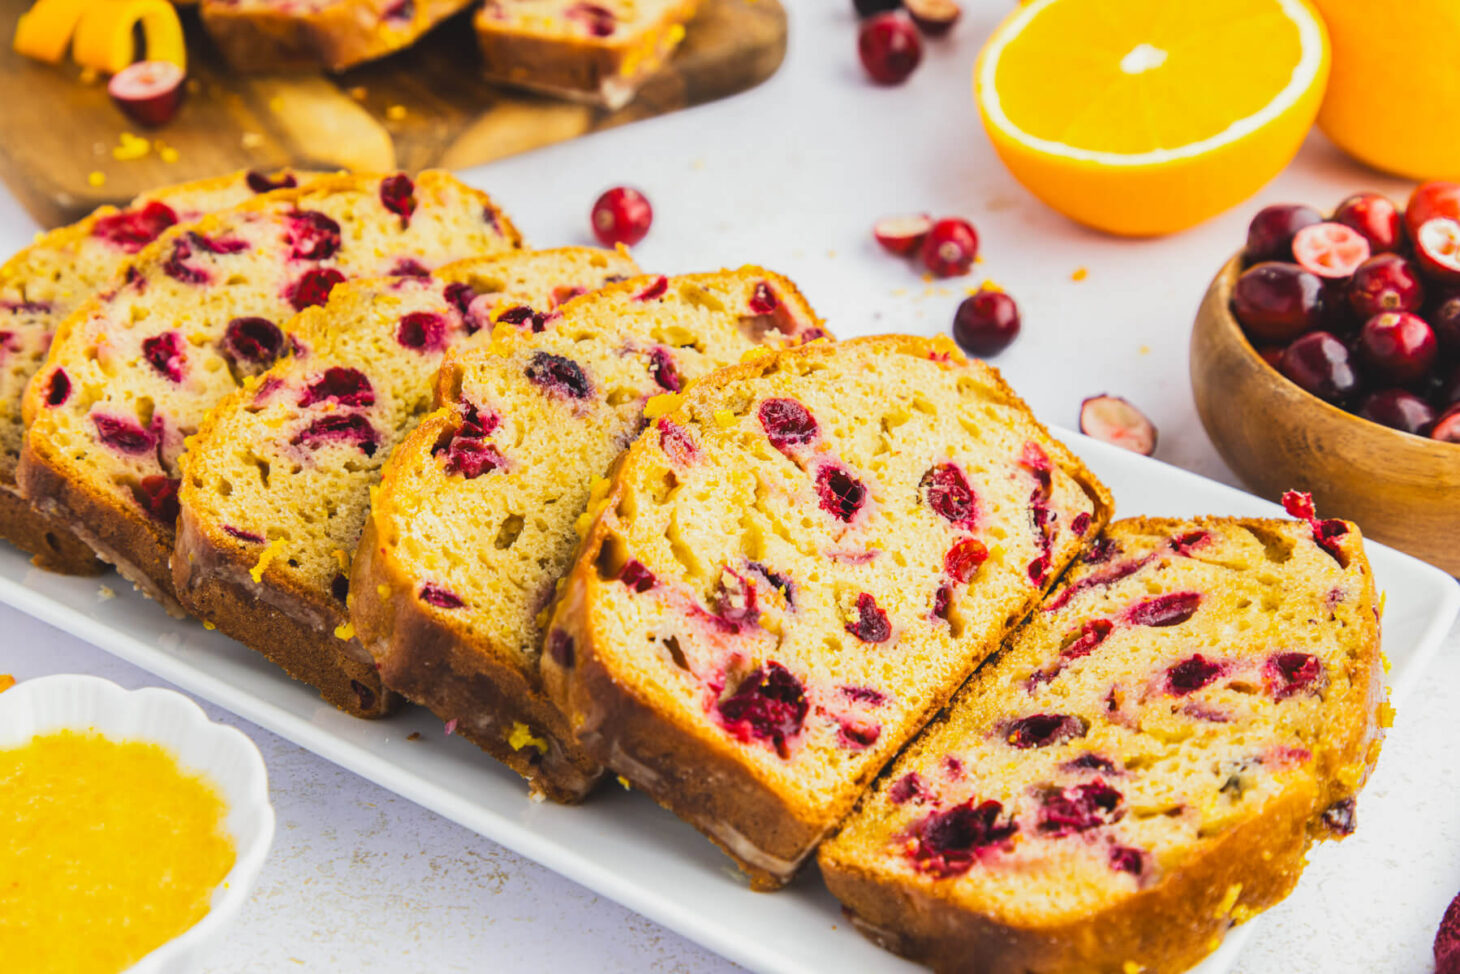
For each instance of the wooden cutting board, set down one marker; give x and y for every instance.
(424, 107)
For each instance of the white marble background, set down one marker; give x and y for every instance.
(791, 176)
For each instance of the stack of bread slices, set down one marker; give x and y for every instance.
(805, 594)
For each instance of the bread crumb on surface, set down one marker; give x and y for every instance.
(413, 736)
(105, 593)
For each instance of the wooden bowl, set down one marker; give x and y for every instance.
(1400, 489)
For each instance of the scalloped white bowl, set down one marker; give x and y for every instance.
(223, 755)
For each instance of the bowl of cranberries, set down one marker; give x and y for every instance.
(1326, 357)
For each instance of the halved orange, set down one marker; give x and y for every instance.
(1144, 117)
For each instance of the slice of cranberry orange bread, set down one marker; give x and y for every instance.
(1144, 764)
(293, 35)
(276, 483)
(599, 51)
(473, 523)
(132, 372)
(44, 283)
(794, 568)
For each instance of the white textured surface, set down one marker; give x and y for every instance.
(791, 176)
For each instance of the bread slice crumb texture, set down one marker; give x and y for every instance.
(798, 564)
(1190, 689)
(475, 519)
(263, 468)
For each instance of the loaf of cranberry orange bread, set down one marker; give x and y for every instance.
(276, 482)
(132, 372)
(599, 51)
(1143, 766)
(293, 35)
(473, 523)
(794, 568)
(44, 283)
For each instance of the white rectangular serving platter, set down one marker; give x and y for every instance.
(620, 844)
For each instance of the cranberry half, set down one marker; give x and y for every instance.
(841, 494)
(948, 493)
(769, 705)
(252, 344)
(1042, 730)
(398, 195)
(787, 423)
(871, 624)
(948, 842)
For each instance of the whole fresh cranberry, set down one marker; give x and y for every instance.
(1270, 234)
(1276, 302)
(1431, 200)
(1375, 217)
(1446, 324)
(890, 48)
(1320, 363)
(622, 216)
(1447, 427)
(1385, 282)
(1398, 346)
(1399, 410)
(986, 323)
(950, 247)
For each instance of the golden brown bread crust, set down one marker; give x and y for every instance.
(258, 39)
(1170, 926)
(100, 521)
(1165, 929)
(50, 543)
(424, 658)
(279, 619)
(697, 775)
(602, 70)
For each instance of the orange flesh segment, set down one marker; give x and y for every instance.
(1062, 79)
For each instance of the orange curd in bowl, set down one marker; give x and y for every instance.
(109, 850)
